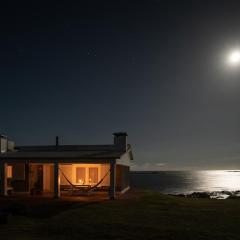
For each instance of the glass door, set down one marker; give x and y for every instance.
(80, 175)
(93, 175)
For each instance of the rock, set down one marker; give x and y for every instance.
(178, 195)
(199, 195)
(227, 193)
(181, 195)
(234, 197)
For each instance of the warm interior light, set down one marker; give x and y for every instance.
(9, 171)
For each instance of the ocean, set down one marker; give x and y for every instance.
(187, 182)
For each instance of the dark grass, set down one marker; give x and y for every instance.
(139, 215)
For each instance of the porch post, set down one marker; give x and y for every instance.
(3, 180)
(56, 178)
(112, 190)
(27, 169)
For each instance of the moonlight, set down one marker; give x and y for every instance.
(234, 58)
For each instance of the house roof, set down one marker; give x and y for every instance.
(62, 155)
(3, 136)
(65, 152)
(65, 148)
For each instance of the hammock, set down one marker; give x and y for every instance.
(85, 189)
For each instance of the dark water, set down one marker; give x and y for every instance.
(186, 182)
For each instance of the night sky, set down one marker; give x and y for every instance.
(156, 69)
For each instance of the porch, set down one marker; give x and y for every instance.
(55, 179)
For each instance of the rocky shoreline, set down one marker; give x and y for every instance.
(212, 195)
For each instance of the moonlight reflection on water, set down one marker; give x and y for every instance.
(187, 181)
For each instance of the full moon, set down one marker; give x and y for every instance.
(234, 58)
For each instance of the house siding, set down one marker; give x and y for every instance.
(122, 178)
(19, 179)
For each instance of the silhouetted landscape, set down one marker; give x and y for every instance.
(140, 214)
(120, 120)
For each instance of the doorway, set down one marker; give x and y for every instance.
(40, 179)
(36, 179)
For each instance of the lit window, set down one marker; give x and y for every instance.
(9, 171)
(93, 175)
(80, 175)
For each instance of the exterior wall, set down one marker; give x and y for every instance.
(3, 144)
(122, 172)
(124, 160)
(6, 145)
(19, 180)
(10, 145)
(122, 177)
(18, 171)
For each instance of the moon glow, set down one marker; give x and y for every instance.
(234, 58)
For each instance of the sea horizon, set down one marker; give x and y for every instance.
(187, 181)
(185, 170)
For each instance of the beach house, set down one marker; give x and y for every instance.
(65, 169)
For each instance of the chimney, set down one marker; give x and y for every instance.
(10, 146)
(120, 141)
(57, 141)
(3, 144)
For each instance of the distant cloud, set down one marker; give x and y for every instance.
(160, 164)
(147, 166)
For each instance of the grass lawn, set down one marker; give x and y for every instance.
(139, 215)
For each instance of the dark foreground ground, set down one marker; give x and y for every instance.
(137, 215)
